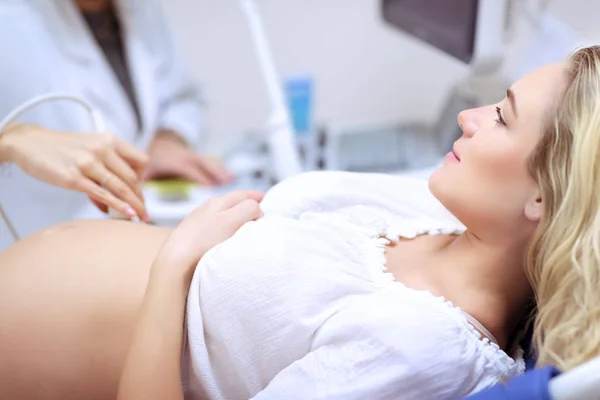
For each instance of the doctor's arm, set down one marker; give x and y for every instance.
(99, 165)
(180, 116)
(153, 364)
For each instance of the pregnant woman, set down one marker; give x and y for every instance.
(341, 285)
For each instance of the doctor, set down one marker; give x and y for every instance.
(116, 54)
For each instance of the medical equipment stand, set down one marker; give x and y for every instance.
(280, 133)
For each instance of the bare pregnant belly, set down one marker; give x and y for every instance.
(69, 298)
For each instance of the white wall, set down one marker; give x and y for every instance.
(364, 70)
(580, 14)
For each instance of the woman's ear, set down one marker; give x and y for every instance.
(533, 208)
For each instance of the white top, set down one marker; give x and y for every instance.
(297, 305)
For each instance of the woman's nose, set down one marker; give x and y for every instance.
(468, 122)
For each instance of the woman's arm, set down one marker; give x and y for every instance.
(153, 365)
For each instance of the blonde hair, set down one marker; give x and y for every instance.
(563, 262)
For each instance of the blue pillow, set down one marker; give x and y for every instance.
(531, 386)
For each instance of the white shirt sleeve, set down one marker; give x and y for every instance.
(26, 71)
(181, 104)
(359, 358)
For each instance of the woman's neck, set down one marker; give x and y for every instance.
(486, 280)
(93, 5)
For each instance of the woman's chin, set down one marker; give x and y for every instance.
(436, 177)
(442, 184)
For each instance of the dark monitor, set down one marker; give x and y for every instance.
(449, 25)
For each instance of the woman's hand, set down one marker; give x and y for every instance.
(210, 224)
(152, 367)
(102, 166)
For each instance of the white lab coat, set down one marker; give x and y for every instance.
(46, 46)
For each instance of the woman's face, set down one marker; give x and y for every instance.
(485, 181)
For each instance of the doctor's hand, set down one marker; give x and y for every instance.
(102, 166)
(171, 158)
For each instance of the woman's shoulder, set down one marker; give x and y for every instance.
(400, 196)
(328, 180)
(429, 337)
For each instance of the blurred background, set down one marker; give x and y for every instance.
(285, 86)
(366, 71)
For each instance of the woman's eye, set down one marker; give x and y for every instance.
(499, 118)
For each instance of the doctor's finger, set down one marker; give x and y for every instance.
(100, 206)
(134, 156)
(214, 169)
(190, 171)
(103, 196)
(119, 189)
(121, 169)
